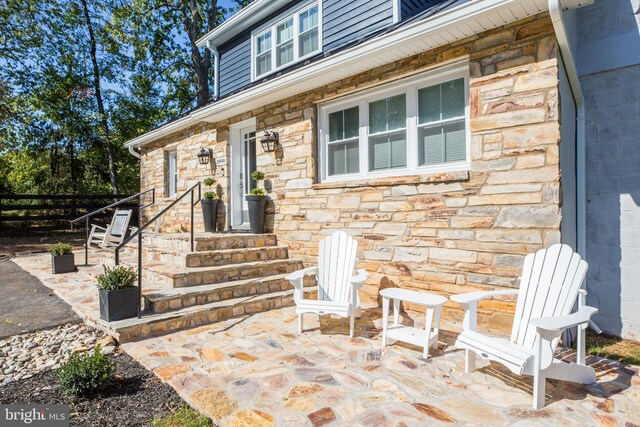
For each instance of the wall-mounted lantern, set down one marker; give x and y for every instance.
(269, 141)
(205, 155)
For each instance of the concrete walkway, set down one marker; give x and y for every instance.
(27, 305)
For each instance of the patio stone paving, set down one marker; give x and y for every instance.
(258, 371)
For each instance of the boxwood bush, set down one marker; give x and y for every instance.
(86, 373)
(60, 248)
(115, 278)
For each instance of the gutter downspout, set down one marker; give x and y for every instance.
(556, 11)
(133, 152)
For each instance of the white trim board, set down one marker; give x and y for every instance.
(446, 27)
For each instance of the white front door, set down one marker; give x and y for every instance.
(243, 163)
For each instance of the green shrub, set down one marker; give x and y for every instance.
(211, 195)
(257, 175)
(209, 181)
(61, 249)
(85, 374)
(118, 277)
(258, 192)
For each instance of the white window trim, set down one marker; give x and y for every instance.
(272, 25)
(397, 9)
(172, 175)
(410, 87)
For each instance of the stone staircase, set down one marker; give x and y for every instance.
(226, 275)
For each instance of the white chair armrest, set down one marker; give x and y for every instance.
(469, 297)
(95, 226)
(358, 280)
(560, 323)
(297, 275)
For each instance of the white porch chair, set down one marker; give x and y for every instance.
(337, 285)
(549, 286)
(114, 234)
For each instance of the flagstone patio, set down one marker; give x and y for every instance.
(254, 370)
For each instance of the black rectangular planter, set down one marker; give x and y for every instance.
(63, 264)
(119, 305)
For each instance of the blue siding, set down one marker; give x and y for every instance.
(409, 8)
(345, 21)
(235, 64)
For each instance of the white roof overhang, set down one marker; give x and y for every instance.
(445, 27)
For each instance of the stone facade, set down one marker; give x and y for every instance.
(447, 233)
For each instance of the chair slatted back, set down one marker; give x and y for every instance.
(120, 223)
(336, 264)
(551, 279)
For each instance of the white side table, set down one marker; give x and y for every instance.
(424, 338)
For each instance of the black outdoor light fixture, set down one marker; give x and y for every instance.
(269, 141)
(205, 155)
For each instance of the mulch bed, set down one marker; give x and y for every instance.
(135, 398)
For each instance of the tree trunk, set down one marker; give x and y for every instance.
(101, 112)
(201, 61)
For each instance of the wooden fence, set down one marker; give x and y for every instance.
(31, 213)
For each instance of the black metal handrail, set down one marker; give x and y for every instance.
(112, 205)
(138, 234)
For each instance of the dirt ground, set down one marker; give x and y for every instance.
(11, 246)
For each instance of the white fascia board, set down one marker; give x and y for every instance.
(462, 21)
(243, 20)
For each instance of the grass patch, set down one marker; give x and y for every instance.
(184, 416)
(614, 348)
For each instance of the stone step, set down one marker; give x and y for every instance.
(180, 258)
(171, 276)
(207, 241)
(152, 325)
(177, 298)
(184, 277)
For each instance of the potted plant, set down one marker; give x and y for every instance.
(62, 259)
(118, 293)
(210, 206)
(256, 202)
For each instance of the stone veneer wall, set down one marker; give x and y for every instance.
(448, 233)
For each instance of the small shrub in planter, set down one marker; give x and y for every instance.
(118, 293)
(86, 373)
(62, 258)
(257, 201)
(210, 206)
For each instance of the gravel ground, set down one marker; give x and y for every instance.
(23, 356)
(135, 398)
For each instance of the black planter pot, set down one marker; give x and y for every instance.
(257, 213)
(209, 214)
(118, 305)
(63, 264)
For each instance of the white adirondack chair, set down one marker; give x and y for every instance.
(549, 286)
(337, 285)
(114, 234)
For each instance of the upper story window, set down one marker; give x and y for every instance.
(289, 40)
(405, 128)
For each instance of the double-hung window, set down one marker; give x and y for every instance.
(291, 39)
(414, 126)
